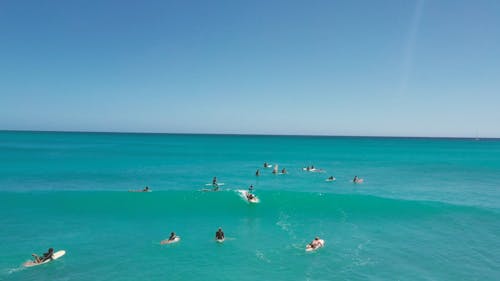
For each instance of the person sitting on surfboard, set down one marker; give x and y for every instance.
(250, 196)
(355, 179)
(257, 173)
(283, 171)
(330, 178)
(45, 256)
(146, 189)
(214, 184)
(219, 235)
(266, 165)
(172, 236)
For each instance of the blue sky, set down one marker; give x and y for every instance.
(399, 68)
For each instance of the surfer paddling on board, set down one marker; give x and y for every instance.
(219, 235)
(45, 256)
(316, 243)
(250, 196)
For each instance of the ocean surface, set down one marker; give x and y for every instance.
(428, 209)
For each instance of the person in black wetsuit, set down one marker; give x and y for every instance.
(45, 256)
(172, 236)
(219, 235)
(215, 185)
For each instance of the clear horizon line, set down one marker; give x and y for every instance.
(247, 134)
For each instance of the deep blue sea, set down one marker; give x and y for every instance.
(428, 209)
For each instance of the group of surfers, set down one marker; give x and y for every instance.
(219, 236)
(215, 185)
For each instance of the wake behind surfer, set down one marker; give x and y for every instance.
(44, 257)
(219, 235)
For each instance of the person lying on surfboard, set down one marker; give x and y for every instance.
(219, 235)
(45, 256)
(315, 243)
(250, 196)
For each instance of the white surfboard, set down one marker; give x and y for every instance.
(358, 181)
(55, 256)
(211, 184)
(166, 241)
(220, 240)
(310, 249)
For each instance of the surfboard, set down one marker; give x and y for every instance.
(310, 249)
(166, 241)
(220, 240)
(55, 256)
(334, 179)
(358, 181)
(211, 184)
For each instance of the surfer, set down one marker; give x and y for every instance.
(266, 165)
(257, 173)
(315, 243)
(250, 189)
(214, 184)
(45, 256)
(283, 171)
(172, 236)
(250, 196)
(331, 178)
(219, 235)
(356, 179)
(146, 189)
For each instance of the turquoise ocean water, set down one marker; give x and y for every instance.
(429, 209)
